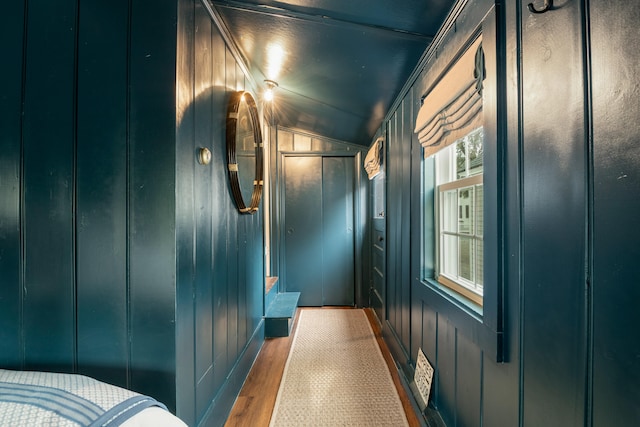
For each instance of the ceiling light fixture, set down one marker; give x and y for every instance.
(268, 94)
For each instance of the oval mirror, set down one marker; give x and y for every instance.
(244, 152)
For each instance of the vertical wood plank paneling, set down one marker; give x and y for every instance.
(232, 240)
(243, 283)
(217, 274)
(429, 334)
(260, 266)
(398, 209)
(243, 277)
(420, 250)
(468, 382)
(203, 210)
(393, 220)
(446, 371)
(554, 229)
(132, 158)
(49, 145)
(500, 393)
(11, 49)
(152, 244)
(187, 355)
(416, 326)
(389, 290)
(101, 195)
(257, 270)
(406, 129)
(220, 211)
(251, 262)
(616, 162)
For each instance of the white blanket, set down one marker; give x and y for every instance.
(54, 399)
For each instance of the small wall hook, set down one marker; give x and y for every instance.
(548, 5)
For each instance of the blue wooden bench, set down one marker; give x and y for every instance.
(281, 308)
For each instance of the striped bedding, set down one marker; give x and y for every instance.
(55, 399)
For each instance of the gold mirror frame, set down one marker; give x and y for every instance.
(233, 132)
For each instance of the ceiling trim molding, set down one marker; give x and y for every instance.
(319, 19)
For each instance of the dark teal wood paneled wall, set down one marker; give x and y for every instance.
(89, 232)
(11, 48)
(399, 134)
(220, 261)
(567, 104)
(48, 140)
(615, 344)
(470, 388)
(151, 207)
(102, 171)
(120, 256)
(189, 367)
(554, 228)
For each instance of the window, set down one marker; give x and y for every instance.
(459, 216)
(460, 126)
(450, 127)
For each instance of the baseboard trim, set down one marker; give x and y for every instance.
(396, 348)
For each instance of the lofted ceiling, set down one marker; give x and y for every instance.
(339, 64)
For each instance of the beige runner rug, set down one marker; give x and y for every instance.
(335, 375)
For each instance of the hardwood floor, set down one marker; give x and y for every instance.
(258, 395)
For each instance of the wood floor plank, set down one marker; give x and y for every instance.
(258, 395)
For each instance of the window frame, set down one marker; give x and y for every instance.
(441, 276)
(483, 325)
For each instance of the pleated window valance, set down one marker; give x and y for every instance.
(373, 160)
(453, 108)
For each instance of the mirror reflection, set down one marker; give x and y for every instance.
(244, 152)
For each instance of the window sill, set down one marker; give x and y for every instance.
(463, 294)
(456, 298)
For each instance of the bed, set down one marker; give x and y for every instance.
(30, 398)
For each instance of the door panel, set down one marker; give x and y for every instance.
(318, 229)
(303, 228)
(337, 227)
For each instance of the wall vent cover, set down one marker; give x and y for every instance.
(421, 386)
